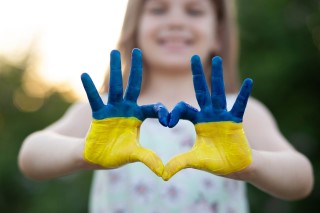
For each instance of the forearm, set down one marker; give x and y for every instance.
(46, 155)
(285, 174)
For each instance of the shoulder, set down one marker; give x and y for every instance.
(75, 121)
(256, 110)
(261, 127)
(254, 107)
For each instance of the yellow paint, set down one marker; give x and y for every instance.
(221, 148)
(114, 142)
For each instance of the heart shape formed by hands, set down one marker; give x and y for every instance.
(113, 139)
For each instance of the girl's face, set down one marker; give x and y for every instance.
(171, 31)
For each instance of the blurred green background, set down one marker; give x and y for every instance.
(280, 50)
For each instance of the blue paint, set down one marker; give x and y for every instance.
(119, 105)
(213, 108)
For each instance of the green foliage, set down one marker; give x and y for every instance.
(280, 43)
(18, 194)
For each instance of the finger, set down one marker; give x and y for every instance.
(115, 85)
(156, 111)
(176, 164)
(184, 111)
(218, 95)
(150, 159)
(242, 99)
(135, 78)
(94, 98)
(199, 83)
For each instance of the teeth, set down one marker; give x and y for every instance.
(174, 41)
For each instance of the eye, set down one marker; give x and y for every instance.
(156, 9)
(195, 11)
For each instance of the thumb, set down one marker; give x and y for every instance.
(150, 159)
(176, 164)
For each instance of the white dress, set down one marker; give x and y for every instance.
(134, 188)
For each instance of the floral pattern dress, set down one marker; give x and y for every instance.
(134, 188)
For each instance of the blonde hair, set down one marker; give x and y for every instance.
(228, 35)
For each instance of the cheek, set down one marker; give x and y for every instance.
(207, 30)
(140, 34)
(207, 37)
(146, 32)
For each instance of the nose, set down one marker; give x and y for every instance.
(176, 19)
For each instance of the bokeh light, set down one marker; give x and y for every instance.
(67, 38)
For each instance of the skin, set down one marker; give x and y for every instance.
(174, 31)
(277, 168)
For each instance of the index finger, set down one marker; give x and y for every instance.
(199, 83)
(135, 77)
(115, 85)
(218, 95)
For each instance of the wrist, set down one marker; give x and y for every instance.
(248, 174)
(79, 160)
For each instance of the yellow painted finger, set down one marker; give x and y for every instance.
(176, 164)
(150, 159)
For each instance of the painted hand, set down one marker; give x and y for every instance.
(221, 146)
(113, 138)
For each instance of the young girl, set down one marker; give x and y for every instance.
(169, 33)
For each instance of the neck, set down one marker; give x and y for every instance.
(168, 88)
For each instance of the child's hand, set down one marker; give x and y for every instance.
(221, 146)
(112, 140)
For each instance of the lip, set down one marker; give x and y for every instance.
(174, 43)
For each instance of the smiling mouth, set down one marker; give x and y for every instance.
(175, 43)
